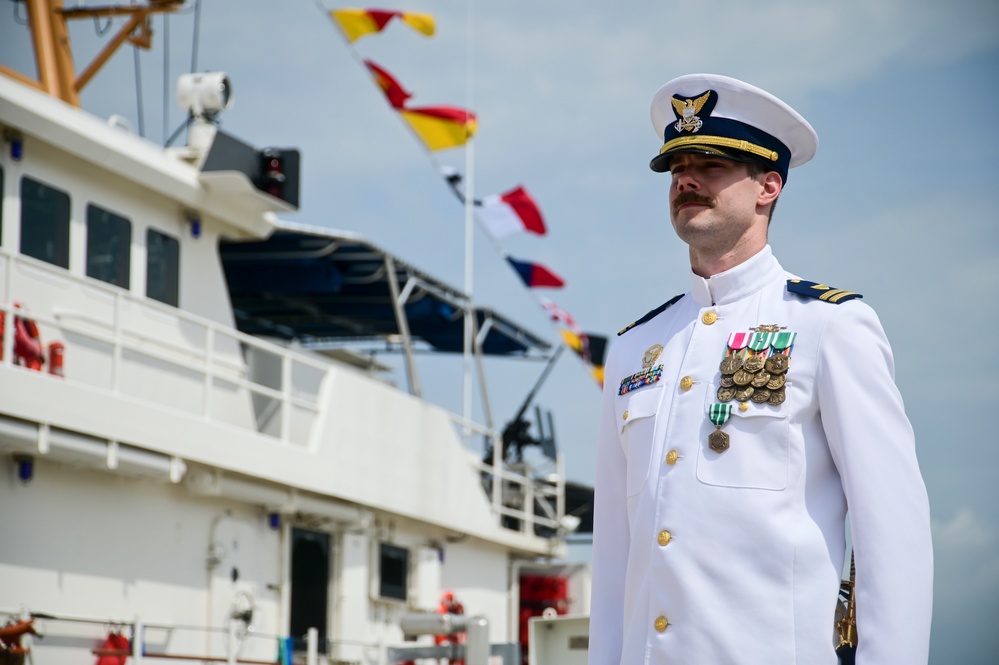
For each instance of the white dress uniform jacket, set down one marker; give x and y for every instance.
(709, 558)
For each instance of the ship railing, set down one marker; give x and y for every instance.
(116, 339)
(235, 643)
(519, 496)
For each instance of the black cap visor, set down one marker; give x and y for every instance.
(661, 163)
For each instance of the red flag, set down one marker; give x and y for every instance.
(395, 93)
(536, 275)
(510, 212)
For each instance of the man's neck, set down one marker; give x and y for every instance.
(709, 262)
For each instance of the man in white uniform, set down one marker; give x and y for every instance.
(741, 420)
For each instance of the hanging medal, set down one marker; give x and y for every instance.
(719, 414)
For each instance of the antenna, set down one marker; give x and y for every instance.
(515, 436)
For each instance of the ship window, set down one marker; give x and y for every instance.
(162, 267)
(393, 572)
(109, 242)
(310, 581)
(44, 223)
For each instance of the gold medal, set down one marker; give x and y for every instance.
(776, 397)
(725, 394)
(731, 365)
(760, 379)
(776, 381)
(726, 381)
(742, 378)
(777, 364)
(718, 441)
(753, 364)
(744, 394)
(760, 395)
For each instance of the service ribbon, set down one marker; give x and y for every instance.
(761, 341)
(738, 340)
(737, 343)
(719, 413)
(783, 341)
(644, 378)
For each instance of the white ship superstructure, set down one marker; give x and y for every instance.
(184, 462)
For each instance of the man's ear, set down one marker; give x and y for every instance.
(772, 184)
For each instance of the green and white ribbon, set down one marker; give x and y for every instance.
(760, 341)
(719, 413)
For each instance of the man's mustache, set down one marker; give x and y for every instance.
(684, 198)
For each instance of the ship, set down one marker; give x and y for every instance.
(203, 458)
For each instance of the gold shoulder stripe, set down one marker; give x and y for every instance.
(823, 292)
(831, 294)
(843, 294)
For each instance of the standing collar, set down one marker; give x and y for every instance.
(736, 283)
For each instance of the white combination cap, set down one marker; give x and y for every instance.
(713, 114)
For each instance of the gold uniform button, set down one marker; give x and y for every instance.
(664, 537)
(661, 624)
(671, 457)
(687, 382)
(708, 318)
(624, 416)
(743, 406)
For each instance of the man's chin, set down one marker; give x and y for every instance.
(688, 212)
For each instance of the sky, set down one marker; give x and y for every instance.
(899, 204)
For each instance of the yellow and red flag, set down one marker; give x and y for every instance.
(441, 127)
(356, 23)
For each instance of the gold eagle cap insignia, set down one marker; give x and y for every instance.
(687, 110)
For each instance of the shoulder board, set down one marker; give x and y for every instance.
(820, 291)
(656, 312)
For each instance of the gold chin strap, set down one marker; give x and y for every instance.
(734, 144)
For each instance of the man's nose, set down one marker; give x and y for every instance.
(686, 182)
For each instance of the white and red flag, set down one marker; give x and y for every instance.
(511, 212)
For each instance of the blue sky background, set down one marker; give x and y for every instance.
(899, 204)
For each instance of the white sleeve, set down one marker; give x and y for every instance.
(873, 446)
(610, 537)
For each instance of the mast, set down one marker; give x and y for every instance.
(47, 20)
(469, 201)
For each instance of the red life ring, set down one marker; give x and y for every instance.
(28, 349)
